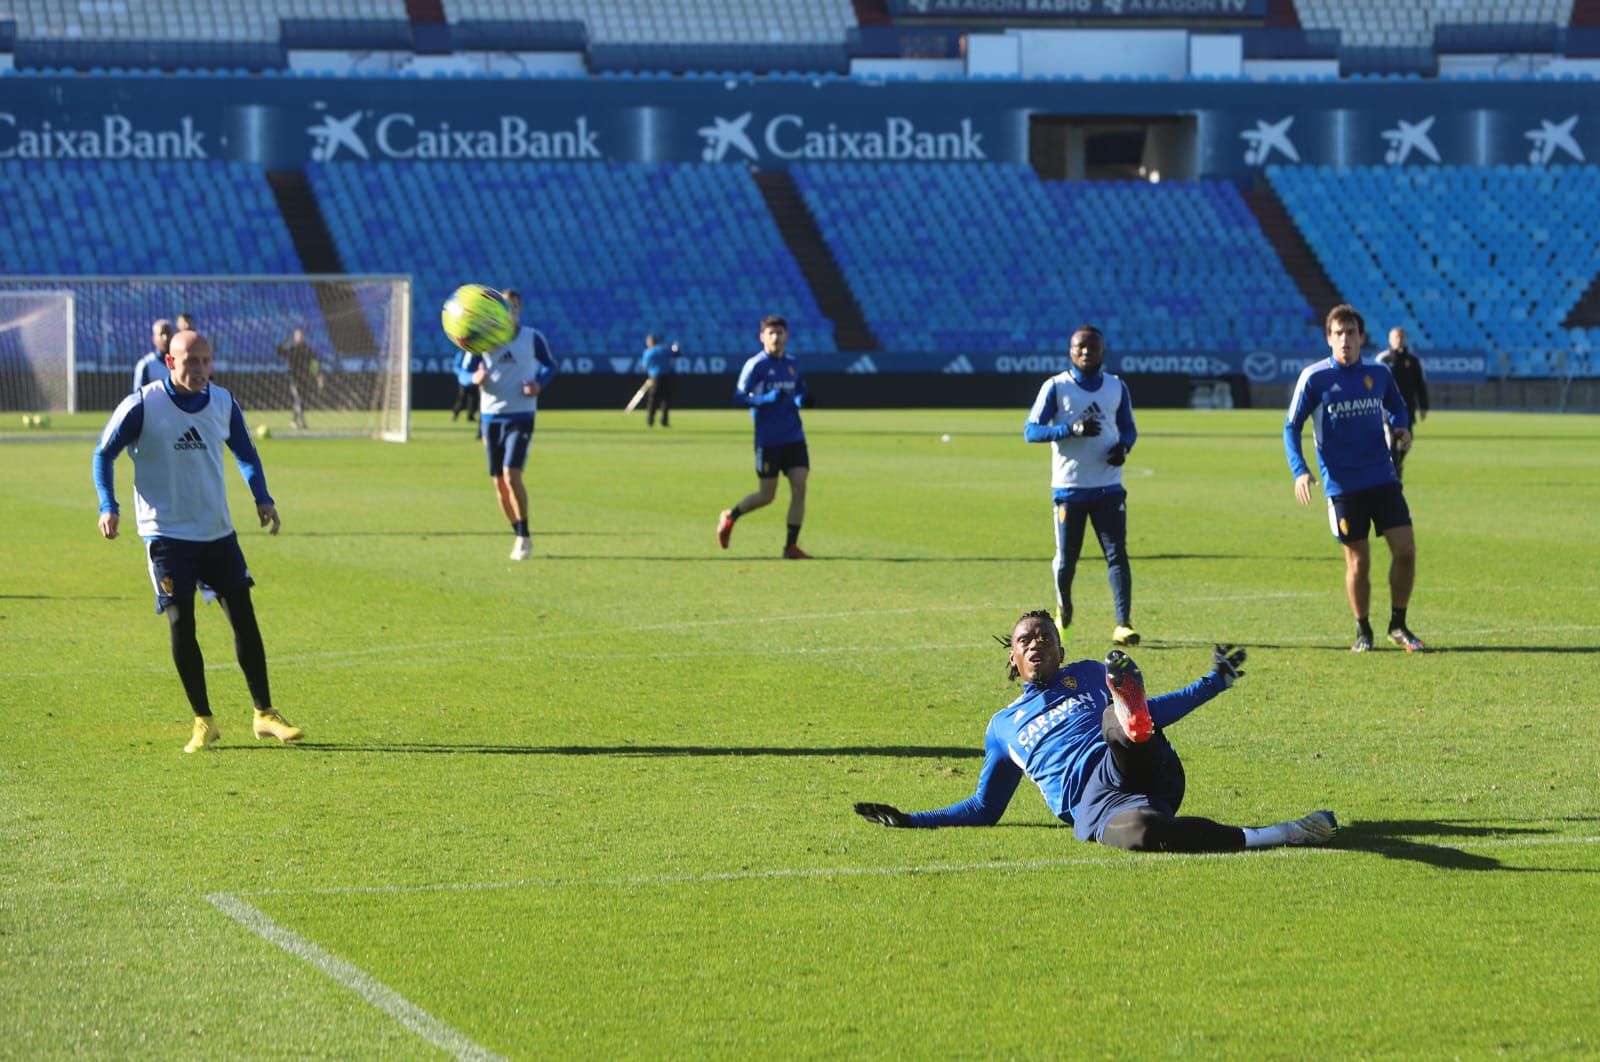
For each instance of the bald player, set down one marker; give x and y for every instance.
(175, 431)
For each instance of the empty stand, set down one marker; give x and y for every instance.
(81, 218)
(601, 252)
(989, 258)
(1293, 251)
(1463, 258)
(1385, 24)
(816, 262)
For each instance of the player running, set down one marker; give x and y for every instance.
(510, 381)
(1350, 402)
(1087, 416)
(771, 386)
(1098, 751)
(175, 430)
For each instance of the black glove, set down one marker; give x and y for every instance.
(883, 814)
(1084, 427)
(1117, 455)
(1228, 663)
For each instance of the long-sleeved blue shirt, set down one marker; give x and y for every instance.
(127, 423)
(1348, 406)
(774, 390)
(657, 360)
(1052, 735)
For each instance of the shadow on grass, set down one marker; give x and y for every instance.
(1398, 839)
(1516, 649)
(712, 751)
(67, 597)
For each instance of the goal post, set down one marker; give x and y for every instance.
(351, 375)
(38, 368)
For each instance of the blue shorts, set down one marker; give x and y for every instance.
(1383, 507)
(1106, 793)
(770, 460)
(506, 442)
(178, 566)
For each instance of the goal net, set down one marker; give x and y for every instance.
(37, 373)
(350, 376)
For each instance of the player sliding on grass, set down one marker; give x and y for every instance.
(176, 430)
(1097, 750)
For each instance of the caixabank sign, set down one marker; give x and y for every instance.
(1239, 127)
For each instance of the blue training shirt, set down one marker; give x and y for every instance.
(1348, 406)
(773, 389)
(1051, 734)
(657, 360)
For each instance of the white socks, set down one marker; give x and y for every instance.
(1266, 836)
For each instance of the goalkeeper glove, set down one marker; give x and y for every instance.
(1228, 663)
(1116, 455)
(883, 814)
(1085, 426)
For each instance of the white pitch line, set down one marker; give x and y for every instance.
(859, 872)
(354, 978)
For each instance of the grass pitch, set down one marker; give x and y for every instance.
(599, 803)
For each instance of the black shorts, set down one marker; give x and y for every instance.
(506, 442)
(770, 460)
(178, 566)
(1383, 507)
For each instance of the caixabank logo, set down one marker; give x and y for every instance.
(792, 136)
(367, 134)
(114, 136)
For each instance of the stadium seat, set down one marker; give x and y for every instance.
(193, 218)
(1462, 257)
(602, 252)
(992, 259)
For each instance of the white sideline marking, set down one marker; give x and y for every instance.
(354, 978)
(862, 872)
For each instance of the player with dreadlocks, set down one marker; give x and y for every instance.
(1098, 751)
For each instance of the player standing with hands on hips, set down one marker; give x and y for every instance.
(175, 431)
(1351, 404)
(771, 386)
(1098, 751)
(1087, 416)
(510, 381)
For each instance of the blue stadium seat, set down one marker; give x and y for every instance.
(995, 260)
(1465, 258)
(602, 252)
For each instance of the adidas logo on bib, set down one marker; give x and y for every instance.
(189, 440)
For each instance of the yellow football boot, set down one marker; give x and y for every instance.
(270, 724)
(205, 733)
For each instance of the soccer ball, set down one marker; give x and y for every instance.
(478, 319)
